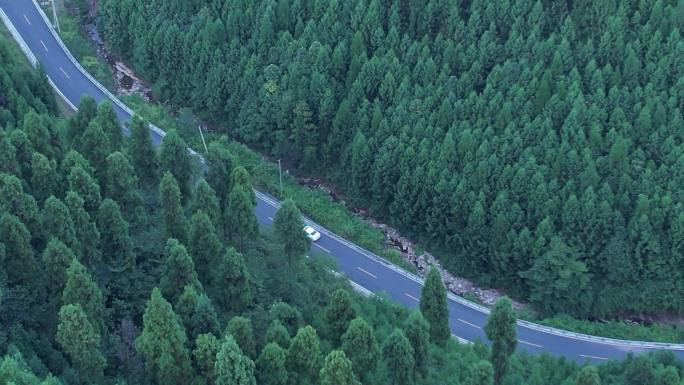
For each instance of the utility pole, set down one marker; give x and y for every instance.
(280, 171)
(199, 127)
(54, 16)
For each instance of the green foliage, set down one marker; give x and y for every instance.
(337, 370)
(464, 127)
(338, 314)
(500, 330)
(207, 347)
(205, 200)
(221, 163)
(241, 330)
(231, 282)
(80, 341)
(361, 347)
(482, 373)
(44, 176)
(162, 342)
(56, 258)
(56, 220)
(176, 224)
(232, 367)
(205, 245)
(271, 369)
(80, 289)
(179, 271)
(22, 267)
(278, 334)
(87, 234)
(140, 150)
(433, 305)
(588, 376)
(196, 313)
(117, 248)
(175, 159)
(303, 357)
(122, 181)
(417, 331)
(239, 219)
(288, 227)
(87, 187)
(398, 355)
(109, 122)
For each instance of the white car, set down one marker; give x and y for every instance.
(311, 233)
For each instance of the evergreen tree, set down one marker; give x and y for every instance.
(84, 185)
(482, 373)
(87, 109)
(278, 334)
(196, 313)
(80, 289)
(433, 305)
(174, 218)
(205, 200)
(232, 367)
(338, 314)
(57, 222)
(337, 370)
(179, 271)
(80, 341)
(95, 146)
(122, 181)
(288, 316)
(398, 355)
(360, 345)
(288, 227)
(175, 159)
(239, 219)
(44, 177)
(14, 201)
(162, 343)
(204, 246)
(87, 234)
(221, 163)
(417, 331)
(21, 265)
(241, 330)
(107, 119)
(271, 369)
(141, 152)
(500, 329)
(117, 248)
(230, 281)
(207, 347)
(588, 376)
(303, 356)
(57, 258)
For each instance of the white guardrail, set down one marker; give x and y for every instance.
(265, 197)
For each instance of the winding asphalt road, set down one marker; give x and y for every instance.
(367, 272)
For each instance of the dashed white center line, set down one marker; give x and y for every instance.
(27, 20)
(593, 357)
(44, 46)
(321, 247)
(468, 323)
(529, 343)
(367, 272)
(412, 297)
(64, 72)
(461, 340)
(270, 219)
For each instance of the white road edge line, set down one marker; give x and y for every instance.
(367, 272)
(468, 323)
(44, 46)
(322, 248)
(27, 20)
(592, 357)
(530, 343)
(412, 297)
(64, 72)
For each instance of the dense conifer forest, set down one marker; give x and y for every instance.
(121, 265)
(535, 146)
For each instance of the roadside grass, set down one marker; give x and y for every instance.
(315, 203)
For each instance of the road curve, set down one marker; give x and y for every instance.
(367, 271)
